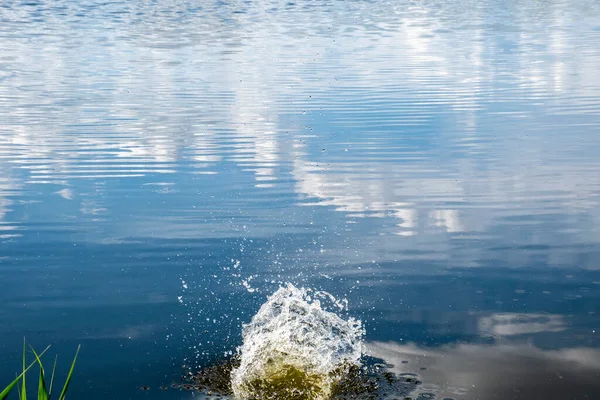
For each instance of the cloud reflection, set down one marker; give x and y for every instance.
(458, 120)
(511, 324)
(517, 371)
(8, 189)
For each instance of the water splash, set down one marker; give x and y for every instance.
(294, 348)
(297, 347)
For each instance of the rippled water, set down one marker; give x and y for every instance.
(164, 166)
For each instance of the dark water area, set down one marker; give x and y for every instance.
(165, 166)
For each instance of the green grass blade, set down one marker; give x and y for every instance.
(63, 394)
(23, 393)
(19, 393)
(52, 378)
(42, 391)
(4, 394)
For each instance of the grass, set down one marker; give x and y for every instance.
(45, 389)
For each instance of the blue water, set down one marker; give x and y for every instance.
(164, 166)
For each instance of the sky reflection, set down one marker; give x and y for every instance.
(498, 371)
(436, 163)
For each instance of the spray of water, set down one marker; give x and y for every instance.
(295, 349)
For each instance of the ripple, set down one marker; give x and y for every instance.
(308, 139)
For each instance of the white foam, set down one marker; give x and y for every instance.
(293, 331)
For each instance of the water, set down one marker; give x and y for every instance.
(165, 166)
(295, 348)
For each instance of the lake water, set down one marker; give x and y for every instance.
(166, 165)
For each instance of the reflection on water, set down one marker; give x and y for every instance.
(435, 162)
(390, 120)
(509, 324)
(498, 372)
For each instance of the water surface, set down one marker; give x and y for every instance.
(164, 166)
